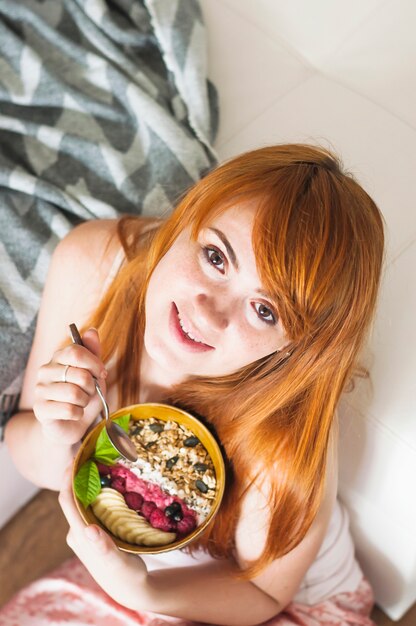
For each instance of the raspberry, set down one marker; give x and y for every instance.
(186, 525)
(159, 520)
(147, 508)
(133, 500)
(119, 484)
(118, 471)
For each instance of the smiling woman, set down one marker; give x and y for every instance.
(248, 307)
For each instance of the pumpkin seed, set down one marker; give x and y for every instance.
(156, 428)
(191, 442)
(201, 486)
(171, 462)
(201, 467)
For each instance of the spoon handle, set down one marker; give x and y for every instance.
(76, 338)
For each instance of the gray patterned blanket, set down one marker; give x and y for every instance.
(105, 108)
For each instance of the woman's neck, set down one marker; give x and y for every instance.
(155, 382)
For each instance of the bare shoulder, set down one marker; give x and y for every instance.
(282, 578)
(80, 266)
(90, 240)
(74, 287)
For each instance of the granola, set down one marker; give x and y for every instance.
(171, 456)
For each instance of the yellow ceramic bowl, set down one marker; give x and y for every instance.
(163, 412)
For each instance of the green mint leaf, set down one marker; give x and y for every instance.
(104, 449)
(123, 421)
(106, 459)
(87, 484)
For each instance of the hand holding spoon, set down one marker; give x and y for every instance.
(117, 436)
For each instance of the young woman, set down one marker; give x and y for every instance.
(247, 306)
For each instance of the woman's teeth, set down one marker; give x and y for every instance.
(188, 334)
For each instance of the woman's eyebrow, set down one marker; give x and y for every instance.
(233, 257)
(228, 246)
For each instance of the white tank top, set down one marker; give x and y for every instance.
(334, 570)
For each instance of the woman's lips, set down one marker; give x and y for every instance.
(185, 341)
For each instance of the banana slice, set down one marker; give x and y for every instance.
(111, 509)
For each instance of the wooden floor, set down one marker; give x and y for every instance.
(382, 620)
(33, 543)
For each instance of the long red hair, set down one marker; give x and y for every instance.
(318, 241)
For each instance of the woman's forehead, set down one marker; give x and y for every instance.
(237, 216)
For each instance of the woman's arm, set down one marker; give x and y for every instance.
(33, 455)
(78, 269)
(206, 593)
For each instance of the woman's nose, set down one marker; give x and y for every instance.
(211, 312)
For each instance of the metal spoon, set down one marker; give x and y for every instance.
(117, 436)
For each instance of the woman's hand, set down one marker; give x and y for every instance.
(122, 576)
(66, 402)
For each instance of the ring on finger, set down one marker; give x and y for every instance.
(64, 378)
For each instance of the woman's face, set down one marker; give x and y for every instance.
(206, 312)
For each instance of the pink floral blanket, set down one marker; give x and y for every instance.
(69, 596)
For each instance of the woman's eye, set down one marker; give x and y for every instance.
(215, 258)
(264, 313)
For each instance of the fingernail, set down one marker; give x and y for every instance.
(92, 533)
(104, 374)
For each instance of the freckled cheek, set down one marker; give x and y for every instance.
(191, 275)
(246, 337)
(187, 272)
(177, 272)
(254, 345)
(244, 350)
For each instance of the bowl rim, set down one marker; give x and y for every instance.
(87, 514)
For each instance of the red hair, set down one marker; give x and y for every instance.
(318, 241)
